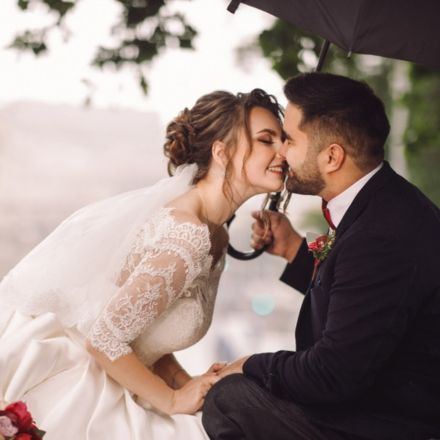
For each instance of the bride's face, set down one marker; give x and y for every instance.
(263, 166)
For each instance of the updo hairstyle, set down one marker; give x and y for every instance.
(219, 116)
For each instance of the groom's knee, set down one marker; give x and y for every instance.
(225, 392)
(225, 396)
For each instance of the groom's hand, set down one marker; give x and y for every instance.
(273, 229)
(233, 367)
(216, 367)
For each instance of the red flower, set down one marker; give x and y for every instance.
(20, 416)
(321, 245)
(318, 243)
(24, 436)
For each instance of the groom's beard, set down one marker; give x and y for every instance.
(307, 179)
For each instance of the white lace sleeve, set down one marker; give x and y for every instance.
(164, 269)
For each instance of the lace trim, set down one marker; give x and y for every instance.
(164, 262)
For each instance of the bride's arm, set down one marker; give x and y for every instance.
(161, 276)
(169, 369)
(132, 374)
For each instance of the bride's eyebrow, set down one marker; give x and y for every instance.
(268, 130)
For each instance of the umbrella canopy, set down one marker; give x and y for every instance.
(402, 29)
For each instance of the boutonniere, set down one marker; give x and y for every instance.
(320, 246)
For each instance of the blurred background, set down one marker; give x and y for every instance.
(88, 86)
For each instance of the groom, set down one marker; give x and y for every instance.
(367, 359)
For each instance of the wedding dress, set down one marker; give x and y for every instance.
(156, 300)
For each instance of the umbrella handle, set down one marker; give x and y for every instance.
(274, 200)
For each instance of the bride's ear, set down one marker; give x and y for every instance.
(219, 155)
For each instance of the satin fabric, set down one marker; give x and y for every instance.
(68, 394)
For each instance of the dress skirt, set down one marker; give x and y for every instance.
(68, 394)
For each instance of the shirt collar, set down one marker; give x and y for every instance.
(339, 205)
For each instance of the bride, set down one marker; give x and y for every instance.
(90, 318)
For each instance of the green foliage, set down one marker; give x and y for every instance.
(61, 7)
(30, 41)
(143, 30)
(424, 172)
(422, 137)
(424, 104)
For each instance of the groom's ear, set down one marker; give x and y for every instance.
(334, 157)
(219, 154)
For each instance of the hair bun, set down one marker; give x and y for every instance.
(179, 140)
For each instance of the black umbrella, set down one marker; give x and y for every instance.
(402, 29)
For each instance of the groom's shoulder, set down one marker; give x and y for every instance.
(402, 210)
(398, 196)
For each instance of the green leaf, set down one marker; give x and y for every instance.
(143, 84)
(29, 41)
(23, 4)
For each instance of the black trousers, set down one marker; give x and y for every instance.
(237, 408)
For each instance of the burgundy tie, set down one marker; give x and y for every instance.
(326, 213)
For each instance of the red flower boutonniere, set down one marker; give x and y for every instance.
(320, 246)
(16, 423)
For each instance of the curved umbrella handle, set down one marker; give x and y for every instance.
(275, 201)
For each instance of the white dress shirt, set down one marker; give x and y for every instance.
(339, 205)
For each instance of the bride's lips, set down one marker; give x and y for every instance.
(280, 169)
(277, 169)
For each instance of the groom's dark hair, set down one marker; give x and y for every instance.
(337, 109)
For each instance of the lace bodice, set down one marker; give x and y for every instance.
(166, 292)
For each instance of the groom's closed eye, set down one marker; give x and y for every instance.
(286, 137)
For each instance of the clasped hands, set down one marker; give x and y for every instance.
(223, 369)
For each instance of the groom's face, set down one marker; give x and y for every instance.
(304, 175)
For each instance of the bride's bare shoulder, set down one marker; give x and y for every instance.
(185, 209)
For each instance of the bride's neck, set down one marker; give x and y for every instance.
(215, 207)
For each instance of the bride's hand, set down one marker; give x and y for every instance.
(189, 399)
(217, 367)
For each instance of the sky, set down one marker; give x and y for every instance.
(177, 78)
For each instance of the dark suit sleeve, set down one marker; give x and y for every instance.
(298, 273)
(369, 307)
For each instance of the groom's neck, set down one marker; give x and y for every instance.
(341, 179)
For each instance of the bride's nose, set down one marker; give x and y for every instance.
(281, 150)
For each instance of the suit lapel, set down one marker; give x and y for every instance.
(361, 200)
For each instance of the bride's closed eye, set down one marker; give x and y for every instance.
(266, 140)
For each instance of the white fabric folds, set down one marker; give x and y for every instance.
(72, 272)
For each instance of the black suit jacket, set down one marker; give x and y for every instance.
(368, 333)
